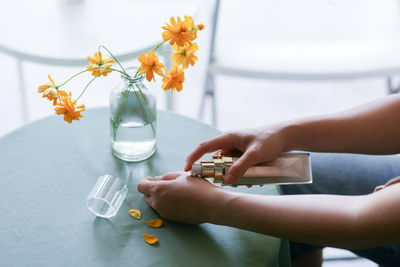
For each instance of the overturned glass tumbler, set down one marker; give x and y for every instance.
(107, 195)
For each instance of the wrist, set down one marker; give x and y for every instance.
(222, 204)
(293, 136)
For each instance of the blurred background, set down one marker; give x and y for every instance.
(260, 62)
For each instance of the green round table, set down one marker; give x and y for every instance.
(48, 168)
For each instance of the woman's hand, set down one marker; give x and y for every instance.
(182, 198)
(256, 146)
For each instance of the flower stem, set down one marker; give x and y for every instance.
(116, 121)
(116, 60)
(144, 109)
(158, 45)
(87, 85)
(83, 71)
(73, 76)
(144, 98)
(165, 52)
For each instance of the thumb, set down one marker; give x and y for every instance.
(248, 159)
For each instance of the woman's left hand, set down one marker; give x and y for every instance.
(182, 198)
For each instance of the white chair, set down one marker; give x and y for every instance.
(308, 40)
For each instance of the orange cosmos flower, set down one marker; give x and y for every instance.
(184, 55)
(174, 80)
(200, 27)
(68, 108)
(49, 90)
(191, 26)
(179, 32)
(100, 63)
(150, 65)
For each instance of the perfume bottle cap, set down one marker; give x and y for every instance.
(197, 170)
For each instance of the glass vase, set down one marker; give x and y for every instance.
(132, 119)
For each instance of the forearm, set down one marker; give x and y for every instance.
(370, 129)
(316, 219)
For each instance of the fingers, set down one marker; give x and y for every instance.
(248, 159)
(145, 185)
(220, 142)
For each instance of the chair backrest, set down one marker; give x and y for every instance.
(312, 36)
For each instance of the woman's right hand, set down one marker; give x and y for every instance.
(256, 145)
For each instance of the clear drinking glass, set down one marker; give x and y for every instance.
(106, 196)
(132, 119)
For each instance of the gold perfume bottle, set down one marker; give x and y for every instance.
(287, 168)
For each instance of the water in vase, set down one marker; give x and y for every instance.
(133, 127)
(135, 141)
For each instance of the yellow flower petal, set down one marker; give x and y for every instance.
(49, 90)
(156, 223)
(150, 239)
(184, 55)
(179, 32)
(150, 65)
(51, 80)
(174, 80)
(135, 213)
(67, 107)
(91, 60)
(100, 64)
(97, 56)
(62, 93)
(43, 88)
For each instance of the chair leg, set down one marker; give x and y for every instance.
(202, 103)
(22, 92)
(169, 96)
(214, 105)
(209, 91)
(391, 89)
